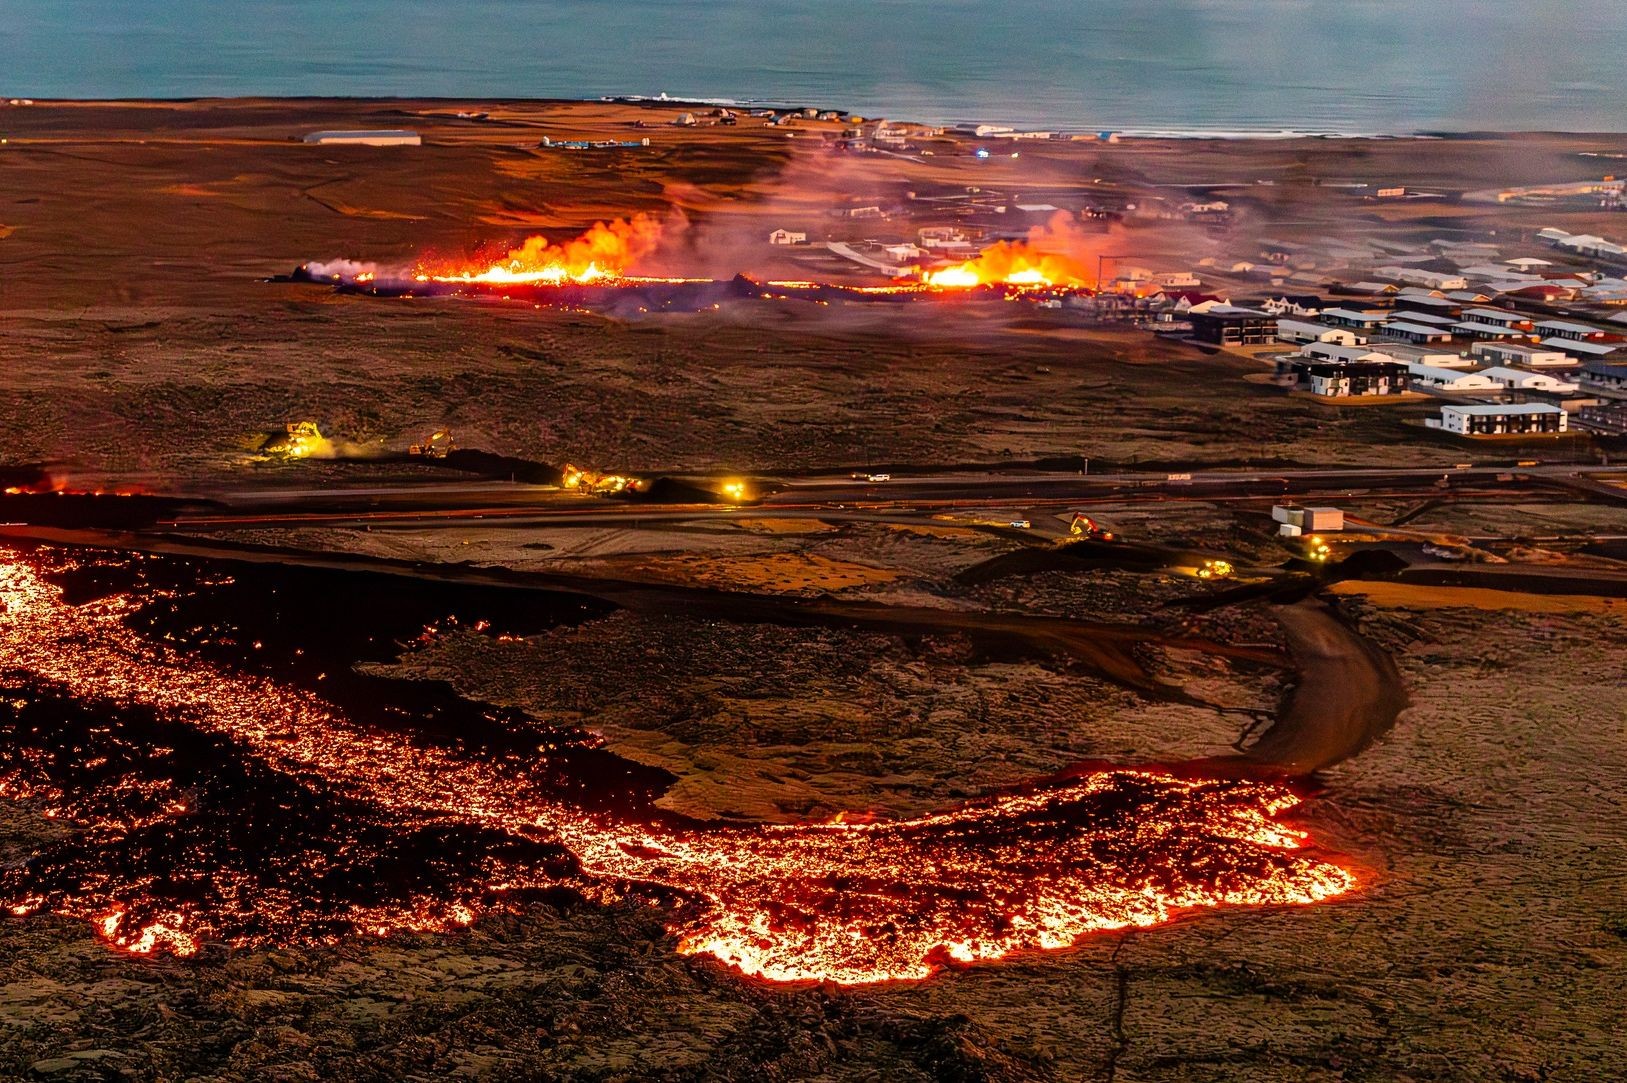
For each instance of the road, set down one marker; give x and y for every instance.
(902, 498)
(1348, 695)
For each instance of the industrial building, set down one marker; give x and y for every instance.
(392, 137)
(1499, 420)
(1296, 520)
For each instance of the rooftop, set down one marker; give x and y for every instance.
(1415, 328)
(1405, 316)
(1502, 372)
(1521, 348)
(1435, 372)
(1475, 327)
(364, 135)
(1563, 325)
(1591, 349)
(1495, 410)
(1490, 314)
(1334, 352)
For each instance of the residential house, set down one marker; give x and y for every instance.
(1497, 420)
(1416, 333)
(1519, 353)
(1227, 326)
(1297, 331)
(1523, 380)
(1439, 379)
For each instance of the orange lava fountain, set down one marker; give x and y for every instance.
(848, 902)
(605, 252)
(1055, 255)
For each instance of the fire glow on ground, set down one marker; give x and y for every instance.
(1053, 259)
(846, 902)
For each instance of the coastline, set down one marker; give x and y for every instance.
(1073, 130)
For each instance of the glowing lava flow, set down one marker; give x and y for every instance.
(856, 903)
(605, 252)
(1053, 259)
(1055, 255)
(845, 902)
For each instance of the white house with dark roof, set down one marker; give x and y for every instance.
(1497, 419)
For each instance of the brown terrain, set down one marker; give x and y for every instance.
(1465, 746)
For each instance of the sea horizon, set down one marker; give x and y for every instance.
(1229, 68)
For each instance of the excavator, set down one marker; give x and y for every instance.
(1086, 527)
(436, 447)
(589, 481)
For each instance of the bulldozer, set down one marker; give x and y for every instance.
(438, 446)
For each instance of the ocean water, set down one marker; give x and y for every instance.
(1255, 66)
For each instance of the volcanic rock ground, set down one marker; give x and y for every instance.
(1488, 940)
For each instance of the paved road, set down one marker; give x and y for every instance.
(1005, 496)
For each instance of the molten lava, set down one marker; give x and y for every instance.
(599, 271)
(1055, 255)
(605, 252)
(850, 902)
(866, 902)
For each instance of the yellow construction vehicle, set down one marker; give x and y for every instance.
(588, 481)
(438, 445)
(1084, 526)
(298, 440)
